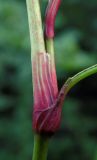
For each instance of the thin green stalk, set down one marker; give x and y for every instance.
(80, 76)
(40, 147)
(50, 45)
(50, 48)
(50, 51)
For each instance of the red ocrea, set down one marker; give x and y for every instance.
(47, 101)
(51, 13)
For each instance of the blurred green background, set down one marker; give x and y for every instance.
(76, 49)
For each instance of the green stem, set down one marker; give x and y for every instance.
(40, 148)
(50, 45)
(35, 27)
(80, 76)
(50, 49)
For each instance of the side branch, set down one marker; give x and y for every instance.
(80, 76)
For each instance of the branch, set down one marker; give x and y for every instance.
(80, 76)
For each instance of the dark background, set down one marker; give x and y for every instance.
(76, 49)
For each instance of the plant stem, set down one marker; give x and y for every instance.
(40, 148)
(80, 76)
(50, 45)
(50, 49)
(37, 47)
(35, 27)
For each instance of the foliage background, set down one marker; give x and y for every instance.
(76, 49)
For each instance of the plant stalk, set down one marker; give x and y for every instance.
(35, 27)
(37, 47)
(40, 147)
(72, 81)
(50, 49)
(50, 46)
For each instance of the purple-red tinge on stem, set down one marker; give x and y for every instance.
(51, 13)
